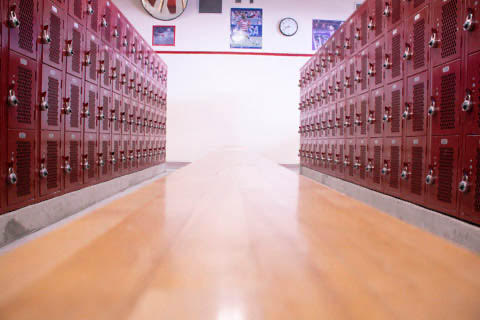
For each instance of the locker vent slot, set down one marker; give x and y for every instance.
(363, 161)
(378, 65)
(363, 117)
(74, 161)
(378, 114)
(445, 175)
(91, 158)
(125, 151)
(340, 46)
(341, 111)
(24, 92)
(419, 44)
(396, 7)
(363, 27)
(75, 104)
(378, 17)
(106, 112)
(364, 72)
(476, 205)
(418, 107)
(116, 167)
(94, 17)
(352, 42)
(396, 56)
(447, 101)
(117, 114)
(105, 157)
(395, 126)
(352, 117)
(77, 9)
(107, 31)
(394, 166)
(76, 41)
(117, 81)
(127, 74)
(106, 78)
(52, 164)
(91, 108)
(26, 30)
(377, 164)
(24, 169)
(417, 171)
(52, 113)
(352, 76)
(417, 3)
(351, 158)
(119, 39)
(55, 30)
(449, 29)
(126, 110)
(93, 57)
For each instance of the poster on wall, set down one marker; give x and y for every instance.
(246, 28)
(163, 36)
(322, 30)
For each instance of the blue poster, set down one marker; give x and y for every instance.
(246, 28)
(322, 30)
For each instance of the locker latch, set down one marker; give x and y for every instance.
(387, 117)
(346, 83)
(405, 172)
(434, 41)
(43, 172)
(45, 36)
(347, 123)
(12, 176)
(69, 48)
(330, 91)
(371, 70)
(133, 50)
(356, 164)
(101, 114)
(337, 51)
(123, 80)
(430, 178)
(132, 84)
(358, 76)
(357, 121)
(139, 121)
(104, 22)
(329, 157)
(139, 87)
(43, 102)
(145, 91)
(337, 122)
(357, 34)
(407, 114)
(113, 160)
(90, 10)
(387, 10)
(347, 45)
(323, 63)
(369, 167)
(469, 24)
(67, 168)
(13, 21)
(123, 117)
(88, 60)
(12, 100)
(114, 74)
(113, 116)
(85, 164)
(464, 185)
(323, 157)
(467, 103)
(386, 168)
(329, 57)
(371, 24)
(67, 107)
(102, 67)
(85, 111)
(386, 63)
(122, 156)
(139, 154)
(131, 157)
(337, 86)
(433, 107)
(407, 54)
(116, 34)
(140, 56)
(100, 160)
(371, 117)
(125, 42)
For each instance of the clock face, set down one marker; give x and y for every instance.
(288, 27)
(165, 9)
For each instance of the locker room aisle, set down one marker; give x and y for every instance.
(234, 236)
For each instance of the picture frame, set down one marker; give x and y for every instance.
(163, 36)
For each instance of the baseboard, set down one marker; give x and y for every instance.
(457, 231)
(17, 224)
(175, 165)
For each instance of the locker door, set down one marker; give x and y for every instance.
(117, 70)
(91, 59)
(116, 110)
(125, 80)
(90, 103)
(339, 82)
(412, 171)
(72, 161)
(350, 83)
(49, 172)
(350, 45)
(360, 121)
(375, 73)
(73, 48)
(118, 31)
(115, 156)
(103, 157)
(127, 40)
(361, 75)
(447, 98)
(394, 12)
(93, 16)
(106, 19)
(71, 104)
(140, 84)
(360, 161)
(416, 51)
(21, 167)
(415, 109)
(445, 39)
(374, 164)
(125, 116)
(376, 19)
(125, 154)
(78, 10)
(442, 168)
(104, 114)
(393, 61)
(471, 102)
(390, 171)
(375, 113)
(339, 48)
(339, 118)
(332, 167)
(471, 30)
(339, 158)
(361, 26)
(469, 178)
(133, 117)
(20, 92)
(105, 65)
(349, 120)
(392, 120)
(51, 37)
(22, 23)
(134, 156)
(49, 99)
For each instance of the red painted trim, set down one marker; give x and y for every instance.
(165, 45)
(238, 53)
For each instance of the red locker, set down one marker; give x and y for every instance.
(115, 114)
(350, 45)
(134, 127)
(339, 118)
(21, 167)
(360, 120)
(339, 82)
(375, 113)
(71, 107)
(349, 82)
(127, 120)
(360, 35)
(391, 164)
(72, 162)
(147, 118)
(392, 119)
(104, 115)
(471, 29)
(361, 73)
(91, 58)
(134, 47)
(331, 152)
(127, 40)
(73, 48)
(416, 53)
(22, 39)
(49, 98)
(93, 16)
(104, 157)
(360, 161)
(393, 12)
(118, 32)
(393, 62)
(51, 37)
(20, 92)
(447, 98)
(339, 48)
(107, 12)
(415, 108)
(445, 39)
(413, 169)
(468, 177)
(90, 103)
(339, 158)
(376, 73)
(104, 67)
(140, 84)
(125, 80)
(133, 84)
(470, 107)
(376, 19)
(115, 156)
(374, 164)
(78, 10)
(412, 7)
(126, 156)
(117, 70)
(442, 170)
(49, 166)
(349, 119)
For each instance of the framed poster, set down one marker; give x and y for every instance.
(322, 30)
(246, 28)
(163, 36)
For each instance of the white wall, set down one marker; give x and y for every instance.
(218, 100)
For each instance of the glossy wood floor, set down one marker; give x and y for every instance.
(236, 237)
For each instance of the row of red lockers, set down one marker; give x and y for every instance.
(440, 173)
(84, 92)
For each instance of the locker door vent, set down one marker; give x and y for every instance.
(126, 110)
(341, 116)
(93, 57)
(55, 30)
(116, 167)
(52, 164)
(363, 27)
(394, 166)
(363, 161)
(127, 74)
(119, 39)
(417, 170)
(107, 31)
(106, 78)
(378, 65)
(396, 55)
(377, 150)
(352, 76)
(395, 126)
(396, 6)
(91, 108)
(24, 169)
(340, 45)
(105, 157)
(117, 81)
(117, 114)
(476, 204)
(94, 17)
(106, 110)
(364, 71)
(449, 29)
(91, 158)
(445, 175)
(26, 32)
(125, 151)
(419, 44)
(75, 104)
(378, 114)
(74, 161)
(447, 104)
(77, 9)
(24, 82)
(363, 106)
(418, 107)
(352, 46)
(378, 17)
(352, 117)
(351, 158)
(52, 115)
(76, 42)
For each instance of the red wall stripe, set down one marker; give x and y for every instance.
(238, 53)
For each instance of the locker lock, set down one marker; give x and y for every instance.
(469, 25)
(66, 166)
(358, 77)
(69, 48)
(346, 123)
(404, 174)
(45, 36)
(113, 160)
(123, 117)
(369, 167)
(43, 171)
(145, 153)
(100, 160)
(407, 114)
(323, 63)
(337, 159)
(67, 107)
(467, 103)
(347, 45)
(132, 84)
(337, 86)
(357, 34)
(104, 22)
(145, 91)
(90, 10)
(330, 91)
(346, 83)
(114, 74)
(122, 156)
(329, 57)
(43, 102)
(140, 56)
(85, 111)
(318, 97)
(464, 185)
(131, 157)
(434, 41)
(113, 116)
(125, 42)
(407, 54)
(12, 100)
(85, 163)
(357, 121)
(102, 67)
(123, 79)
(386, 63)
(134, 49)
(371, 117)
(101, 114)
(145, 122)
(329, 157)
(371, 24)
(116, 34)
(88, 60)
(139, 121)
(130, 119)
(322, 157)
(386, 10)
(146, 62)
(12, 176)
(356, 164)
(387, 117)
(337, 51)
(433, 108)
(337, 122)
(385, 169)
(139, 88)
(371, 70)
(430, 179)
(13, 21)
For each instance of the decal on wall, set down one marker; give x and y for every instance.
(246, 28)
(163, 36)
(322, 30)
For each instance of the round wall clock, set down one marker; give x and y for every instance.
(288, 27)
(165, 9)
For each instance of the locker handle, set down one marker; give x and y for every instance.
(134, 49)
(369, 167)
(371, 70)
(67, 107)
(464, 185)
(45, 36)
(100, 161)
(337, 157)
(371, 24)
(434, 41)
(346, 83)
(405, 173)
(337, 123)
(323, 63)
(67, 167)
(387, 64)
(407, 114)
(101, 114)
(114, 74)
(357, 34)
(88, 60)
(125, 42)
(469, 24)
(387, 10)
(337, 86)
(407, 54)
(116, 34)
(102, 67)
(337, 51)
(13, 21)
(90, 10)
(358, 77)
(430, 178)
(113, 160)
(12, 100)
(132, 84)
(387, 117)
(43, 102)
(347, 45)
(330, 91)
(122, 157)
(104, 22)
(86, 111)
(467, 104)
(329, 57)
(433, 108)
(12, 176)
(123, 80)
(356, 164)
(69, 48)
(357, 121)
(385, 169)
(371, 118)
(113, 116)
(346, 123)
(43, 172)
(123, 119)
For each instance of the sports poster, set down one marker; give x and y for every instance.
(246, 28)
(322, 30)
